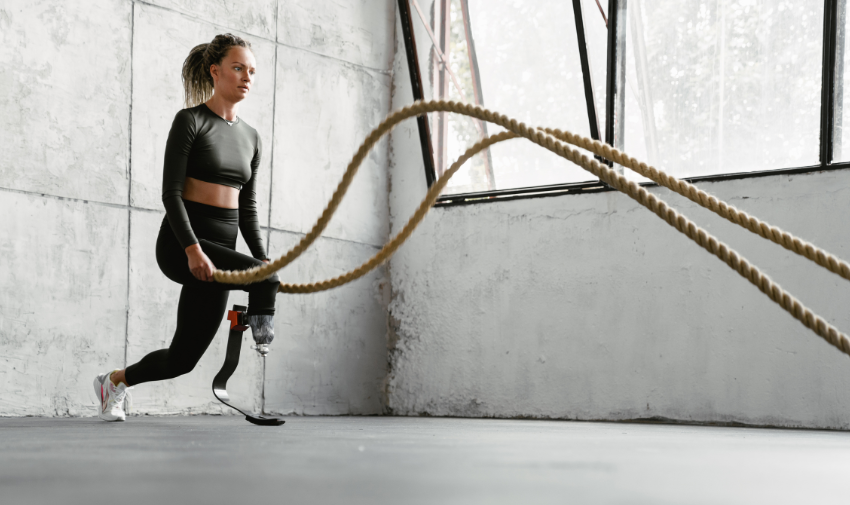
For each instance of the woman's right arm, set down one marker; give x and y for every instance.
(177, 149)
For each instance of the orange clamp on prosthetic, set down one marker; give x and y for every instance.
(237, 319)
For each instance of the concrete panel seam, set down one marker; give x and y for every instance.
(129, 280)
(80, 200)
(161, 211)
(130, 115)
(129, 187)
(326, 237)
(383, 388)
(271, 150)
(387, 72)
(259, 37)
(202, 20)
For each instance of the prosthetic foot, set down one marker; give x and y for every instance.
(239, 322)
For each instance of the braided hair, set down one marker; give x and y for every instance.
(197, 80)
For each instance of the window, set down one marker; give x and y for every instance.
(723, 86)
(700, 89)
(520, 58)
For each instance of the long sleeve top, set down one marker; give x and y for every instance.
(202, 145)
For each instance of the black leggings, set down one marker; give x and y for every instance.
(202, 304)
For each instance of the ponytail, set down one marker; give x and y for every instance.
(197, 80)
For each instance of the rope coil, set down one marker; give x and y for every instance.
(558, 141)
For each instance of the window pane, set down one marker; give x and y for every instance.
(841, 131)
(528, 67)
(723, 86)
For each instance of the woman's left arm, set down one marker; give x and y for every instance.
(249, 223)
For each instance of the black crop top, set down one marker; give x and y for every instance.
(202, 145)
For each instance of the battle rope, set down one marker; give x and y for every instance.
(710, 202)
(556, 141)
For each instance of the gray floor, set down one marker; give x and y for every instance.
(392, 460)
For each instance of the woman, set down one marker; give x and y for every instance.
(208, 190)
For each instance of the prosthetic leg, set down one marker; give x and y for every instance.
(238, 324)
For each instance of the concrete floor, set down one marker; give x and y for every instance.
(400, 460)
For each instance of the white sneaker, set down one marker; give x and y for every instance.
(111, 398)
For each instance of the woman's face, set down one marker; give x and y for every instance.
(234, 77)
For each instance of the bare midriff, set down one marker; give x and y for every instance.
(209, 193)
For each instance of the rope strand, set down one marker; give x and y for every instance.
(710, 202)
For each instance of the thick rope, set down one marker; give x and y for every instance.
(710, 202)
(391, 246)
(559, 147)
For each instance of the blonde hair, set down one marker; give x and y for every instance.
(197, 80)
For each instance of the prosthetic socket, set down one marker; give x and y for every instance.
(262, 327)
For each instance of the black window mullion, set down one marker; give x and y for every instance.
(615, 102)
(418, 93)
(592, 118)
(830, 27)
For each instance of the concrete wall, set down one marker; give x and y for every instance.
(590, 307)
(90, 91)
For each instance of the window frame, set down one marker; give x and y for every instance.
(614, 108)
